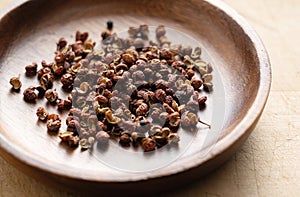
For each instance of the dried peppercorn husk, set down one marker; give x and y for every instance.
(148, 144)
(16, 83)
(31, 69)
(29, 94)
(51, 95)
(53, 122)
(42, 114)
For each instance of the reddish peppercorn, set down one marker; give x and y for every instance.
(148, 144)
(53, 122)
(31, 69)
(29, 94)
(67, 81)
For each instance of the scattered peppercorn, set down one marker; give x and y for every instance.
(148, 144)
(62, 43)
(31, 69)
(202, 100)
(53, 122)
(102, 137)
(67, 81)
(64, 104)
(51, 95)
(65, 136)
(29, 94)
(99, 80)
(16, 83)
(110, 25)
(43, 71)
(42, 114)
(73, 141)
(196, 83)
(46, 80)
(125, 139)
(173, 138)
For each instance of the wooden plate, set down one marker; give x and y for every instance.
(28, 32)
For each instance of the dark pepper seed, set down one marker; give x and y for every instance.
(125, 139)
(110, 25)
(62, 42)
(64, 104)
(31, 69)
(202, 100)
(29, 94)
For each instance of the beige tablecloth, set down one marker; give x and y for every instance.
(268, 164)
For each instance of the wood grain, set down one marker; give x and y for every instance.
(230, 63)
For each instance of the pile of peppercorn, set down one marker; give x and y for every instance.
(135, 90)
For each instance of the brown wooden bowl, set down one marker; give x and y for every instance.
(28, 32)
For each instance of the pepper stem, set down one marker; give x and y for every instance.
(209, 126)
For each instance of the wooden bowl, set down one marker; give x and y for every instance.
(28, 32)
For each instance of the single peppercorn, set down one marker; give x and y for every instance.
(189, 120)
(46, 80)
(192, 106)
(43, 71)
(207, 86)
(31, 69)
(174, 120)
(160, 31)
(110, 25)
(65, 136)
(16, 83)
(144, 31)
(64, 104)
(84, 144)
(81, 36)
(102, 137)
(196, 83)
(186, 51)
(160, 141)
(125, 139)
(148, 144)
(62, 43)
(73, 141)
(173, 138)
(160, 95)
(138, 43)
(53, 122)
(58, 69)
(41, 91)
(189, 74)
(51, 95)
(137, 137)
(142, 109)
(29, 94)
(42, 114)
(67, 81)
(202, 100)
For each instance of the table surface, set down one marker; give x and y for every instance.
(268, 164)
